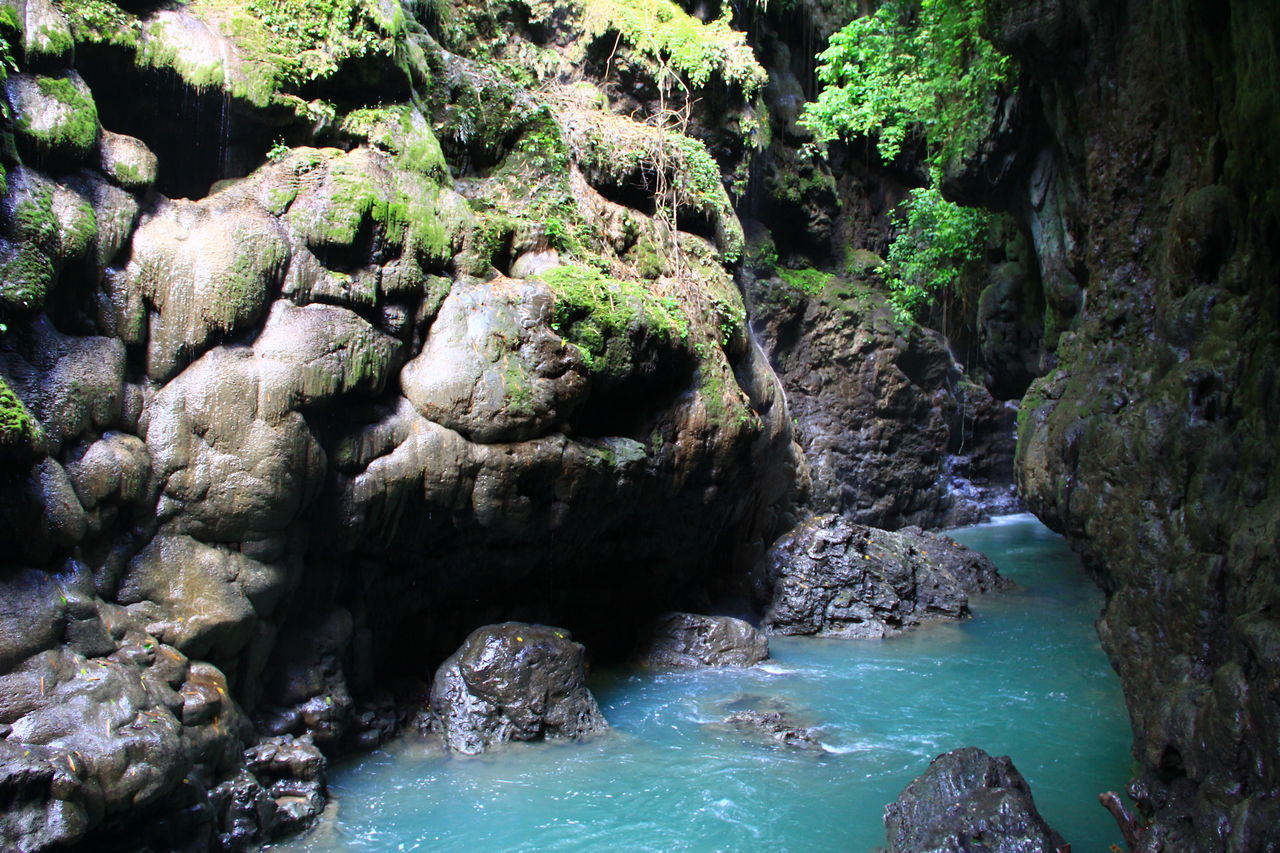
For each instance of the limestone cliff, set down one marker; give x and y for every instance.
(330, 334)
(1152, 199)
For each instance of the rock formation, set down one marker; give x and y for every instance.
(835, 578)
(320, 347)
(968, 800)
(888, 422)
(280, 422)
(514, 682)
(1151, 199)
(690, 639)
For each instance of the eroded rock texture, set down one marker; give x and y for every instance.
(1153, 444)
(278, 432)
(831, 577)
(691, 639)
(514, 682)
(893, 432)
(968, 800)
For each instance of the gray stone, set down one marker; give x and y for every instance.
(514, 682)
(831, 577)
(968, 801)
(127, 161)
(208, 269)
(492, 369)
(690, 639)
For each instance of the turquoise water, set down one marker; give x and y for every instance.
(1025, 677)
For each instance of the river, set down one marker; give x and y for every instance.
(1025, 677)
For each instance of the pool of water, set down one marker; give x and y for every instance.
(1025, 678)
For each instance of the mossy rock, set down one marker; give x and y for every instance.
(343, 198)
(47, 34)
(402, 131)
(54, 118)
(44, 225)
(26, 276)
(262, 50)
(603, 316)
(102, 22)
(128, 162)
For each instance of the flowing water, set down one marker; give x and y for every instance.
(1025, 678)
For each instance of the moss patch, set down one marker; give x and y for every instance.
(18, 428)
(101, 22)
(59, 116)
(599, 314)
(808, 281)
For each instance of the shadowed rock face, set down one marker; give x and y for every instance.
(1153, 446)
(514, 682)
(887, 421)
(834, 578)
(690, 639)
(968, 800)
(265, 452)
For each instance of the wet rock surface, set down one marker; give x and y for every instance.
(883, 412)
(772, 727)
(691, 639)
(279, 431)
(832, 577)
(1151, 445)
(766, 721)
(514, 682)
(968, 800)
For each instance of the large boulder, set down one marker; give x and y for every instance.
(690, 639)
(514, 682)
(832, 577)
(969, 801)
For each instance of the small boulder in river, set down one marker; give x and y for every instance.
(968, 800)
(772, 727)
(765, 720)
(514, 682)
(690, 639)
(832, 577)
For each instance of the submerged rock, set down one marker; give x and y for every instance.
(832, 577)
(968, 800)
(772, 726)
(765, 720)
(690, 639)
(514, 682)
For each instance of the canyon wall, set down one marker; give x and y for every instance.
(1151, 196)
(284, 421)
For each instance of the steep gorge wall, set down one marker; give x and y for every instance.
(1152, 197)
(271, 452)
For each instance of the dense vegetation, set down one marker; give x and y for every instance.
(925, 77)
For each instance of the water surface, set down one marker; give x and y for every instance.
(1025, 678)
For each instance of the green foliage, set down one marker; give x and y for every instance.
(593, 310)
(666, 33)
(17, 427)
(279, 151)
(101, 22)
(309, 38)
(894, 73)
(936, 238)
(808, 281)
